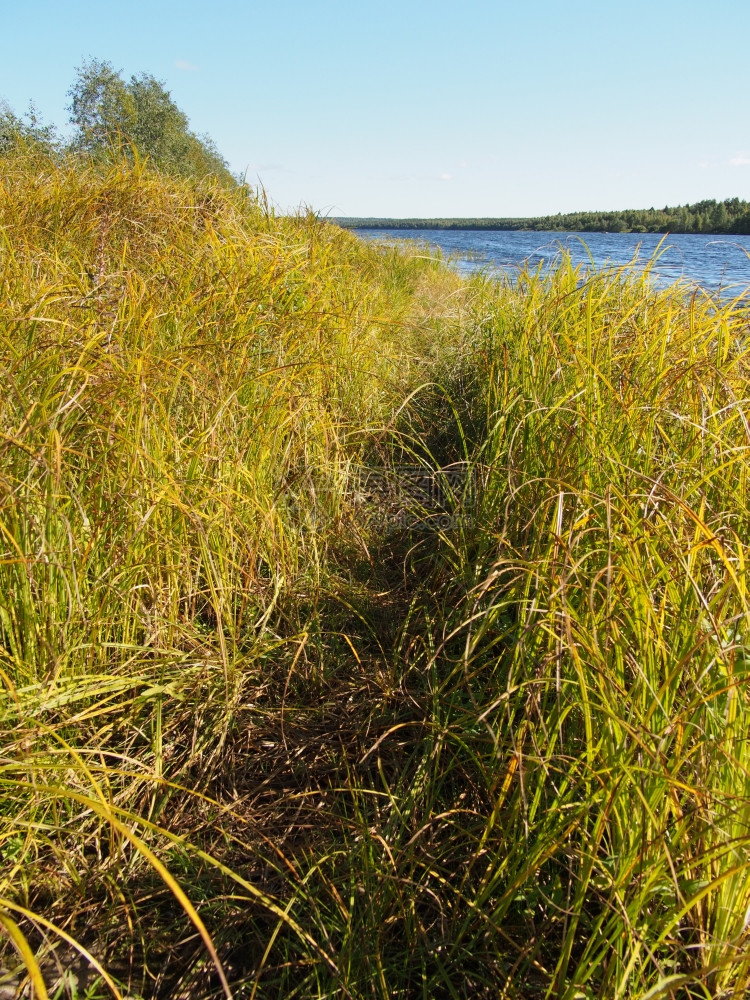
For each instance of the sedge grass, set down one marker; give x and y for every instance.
(255, 744)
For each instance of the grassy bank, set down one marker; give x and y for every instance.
(278, 722)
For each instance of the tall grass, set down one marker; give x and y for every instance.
(601, 632)
(257, 740)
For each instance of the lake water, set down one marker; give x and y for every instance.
(716, 263)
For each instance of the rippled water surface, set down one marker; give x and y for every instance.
(713, 262)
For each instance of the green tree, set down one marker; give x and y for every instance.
(111, 116)
(101, 110)
(159, 129)
(720, 216)
(29, 130)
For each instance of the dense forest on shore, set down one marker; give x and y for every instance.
(730, 216)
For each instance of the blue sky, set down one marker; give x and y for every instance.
(409, 107)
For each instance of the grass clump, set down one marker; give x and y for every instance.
(259, 738)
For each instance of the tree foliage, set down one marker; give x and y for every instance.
(101, 110)
(111, 116)
(27, 130)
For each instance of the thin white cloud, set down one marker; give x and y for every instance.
(188, 67)
(741, 160)
(267, 167)
(446, 177)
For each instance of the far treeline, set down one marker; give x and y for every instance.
(111, 117)
(730, 216)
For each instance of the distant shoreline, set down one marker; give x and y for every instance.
(730, 217)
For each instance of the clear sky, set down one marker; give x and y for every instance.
(427, 107)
